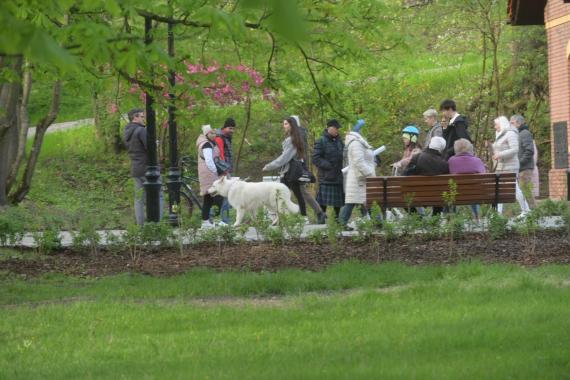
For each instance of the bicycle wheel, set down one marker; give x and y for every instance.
(186, 207)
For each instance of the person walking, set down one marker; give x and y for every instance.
(526, 158)
(208, 151)
(434, 127)
(455, 126)
(292, 149)
(505, 153)
(224, 143)
(361, 164)
(328, 158)
(307, 196)
(136, 142)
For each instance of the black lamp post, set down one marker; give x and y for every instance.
(173, 181)
(152, 184)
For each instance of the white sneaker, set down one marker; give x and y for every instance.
(207, 224)
(522, 215)
(352, 225)
(221, 224)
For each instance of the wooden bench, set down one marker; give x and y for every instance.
(416, 191)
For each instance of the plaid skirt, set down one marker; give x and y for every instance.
(331, 195)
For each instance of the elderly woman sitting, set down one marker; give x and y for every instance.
(465, 162)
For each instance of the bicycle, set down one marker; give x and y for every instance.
(189, 198)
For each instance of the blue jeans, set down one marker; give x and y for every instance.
(346, 212)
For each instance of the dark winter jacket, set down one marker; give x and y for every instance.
(328, 158)
(135, 140)
(428, 162)
(526, 149)
(225, 146)
(454, 131)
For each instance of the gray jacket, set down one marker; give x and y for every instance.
(282, 162)
(135, 140)
(526, 149)
(436, 130)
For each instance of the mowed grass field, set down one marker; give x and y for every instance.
(351, 321)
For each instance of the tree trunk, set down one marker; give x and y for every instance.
(9, 96)
(23, 126)
(41, 129)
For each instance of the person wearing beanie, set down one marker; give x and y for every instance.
(410, 137)
(328, 157)
(224, 143)
(309, 198)
(207, 171)
(361, 164)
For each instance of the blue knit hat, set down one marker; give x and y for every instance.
(358, 126)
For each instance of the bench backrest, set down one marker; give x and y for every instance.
(409, 191)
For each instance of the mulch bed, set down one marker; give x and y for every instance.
(551, 247)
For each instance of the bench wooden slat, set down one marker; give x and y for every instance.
(428, 190)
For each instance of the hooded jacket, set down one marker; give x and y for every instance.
(506, 145)
(135, 140)
(360, 165)
(327, 157)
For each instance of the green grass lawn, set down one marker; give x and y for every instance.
(350, 321)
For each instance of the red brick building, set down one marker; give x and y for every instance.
(555, 16)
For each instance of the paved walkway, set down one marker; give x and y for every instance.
(58, 127)
(251, 235)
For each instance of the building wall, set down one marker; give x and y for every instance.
(557, 23)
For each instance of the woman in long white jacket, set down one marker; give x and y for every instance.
(505, 153)
(360, 165)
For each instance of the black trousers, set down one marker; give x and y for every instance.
(295, 187)
(210, 201)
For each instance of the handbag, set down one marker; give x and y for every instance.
(221, 165)
(295, 171)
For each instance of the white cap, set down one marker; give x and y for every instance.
(296, 117)
(437, 143)
(206, 129)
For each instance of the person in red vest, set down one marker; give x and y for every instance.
(224, 143)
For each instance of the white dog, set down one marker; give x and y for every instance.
(250, 196)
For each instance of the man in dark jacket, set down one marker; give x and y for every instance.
(135, 140)
(526, 158)
(456, 127)
(328, 158)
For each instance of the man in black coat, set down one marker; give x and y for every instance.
(328, 158)
(456, 127)
(526, 158)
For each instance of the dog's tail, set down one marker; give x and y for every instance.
(285, 204)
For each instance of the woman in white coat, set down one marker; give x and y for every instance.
(360, 165)
(505, 153)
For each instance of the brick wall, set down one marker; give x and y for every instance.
(557, 184)
(555, 9)
(559, 83)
